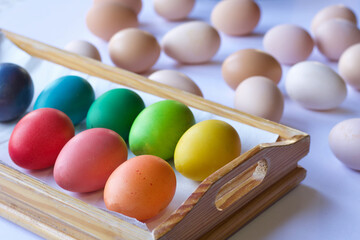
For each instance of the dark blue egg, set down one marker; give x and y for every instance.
(16, 91)
(72, 95)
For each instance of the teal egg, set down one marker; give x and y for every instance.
(116, 110)
(72, 95)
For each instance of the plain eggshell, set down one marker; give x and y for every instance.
(191, 43)
(38, 138)
(177, 80)
(246, 63)
(349, 66)
(173, 10)
(83, 48)
(315, 86)
(206, 147)
(236, 17)
(141, 187)
(134, 5)
(261, 97)
(334, 36)
(134, 50)
(331, 12)
(16, 91)
(288, 43)
(344, 141)
(88, 159)
(106, 19)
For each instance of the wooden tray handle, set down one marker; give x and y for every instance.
(231, 187)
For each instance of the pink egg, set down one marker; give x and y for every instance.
(87, 160)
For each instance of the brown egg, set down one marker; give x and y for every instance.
(135, 5)
(107, 18)
(261, 97)
(334, 36)
(236, 17)
(192, 42)
(349, 66)
(83, 48)
(288, 43)
(134, 50)
(173, 10)
(177, 80)
(331, 12)
(246, 63)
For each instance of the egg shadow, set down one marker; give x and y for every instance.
(208, 63)
(303, 200)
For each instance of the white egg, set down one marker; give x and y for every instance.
(177, 80)
(315, 86)
(344, 141)
(83, 48)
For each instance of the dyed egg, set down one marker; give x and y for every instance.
(332, 12)
(83, 48)
(134, 5)
(315, 86)
(206, 147)
(334, 36)
(38, 138)
(176, 79)
(109, 17)
(87, 160)
(173, 10)
(261, 97)
(72, 95)
(115, 110)
(140, 187)
(288, 43)
(134, 50)
(236, 17)
(344, 140)
(349, 66)
(158, 128)
(16, 91)
(192, 42)
(246, 63)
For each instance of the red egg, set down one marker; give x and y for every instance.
(38, 138)
(87, 160)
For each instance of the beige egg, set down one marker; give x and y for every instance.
(288, 43)
(349, 66)
(235, 17)
(331, 12)
(246, 63)
(261, 97)
(135, 5)
(134, 50)
(107, 18)
(83, 48)
(315, 86)
(177, 80)
(344, 141)
(173, 10)
(334, 36)
(192, 42)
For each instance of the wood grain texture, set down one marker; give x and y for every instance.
(55, 215)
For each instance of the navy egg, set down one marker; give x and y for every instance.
(16, 91)
(72, 95)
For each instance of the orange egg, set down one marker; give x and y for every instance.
(141, 187)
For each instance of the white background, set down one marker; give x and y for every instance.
(325, 205)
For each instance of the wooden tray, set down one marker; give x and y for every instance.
(221, 204)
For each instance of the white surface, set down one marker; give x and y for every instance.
(325, 205)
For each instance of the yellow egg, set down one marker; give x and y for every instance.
(206, 147)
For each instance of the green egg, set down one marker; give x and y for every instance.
(115, 110)
(158, 128)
